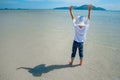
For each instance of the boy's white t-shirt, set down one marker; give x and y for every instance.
(80, 33)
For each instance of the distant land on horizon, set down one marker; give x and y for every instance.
(83, 7)
(13, 9)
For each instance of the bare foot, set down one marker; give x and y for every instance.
(71, 63)
(81, 62)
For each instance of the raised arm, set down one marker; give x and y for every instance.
(71, 12)
(89, 9)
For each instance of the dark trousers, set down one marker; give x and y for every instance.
(76, 45)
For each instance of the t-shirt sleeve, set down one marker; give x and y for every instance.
(87, 21)
(74, 22)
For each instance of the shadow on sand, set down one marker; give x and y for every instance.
(40, 69)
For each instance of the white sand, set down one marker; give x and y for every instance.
(30, 50)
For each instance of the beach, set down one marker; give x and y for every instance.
(36, 45)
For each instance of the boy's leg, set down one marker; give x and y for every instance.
(81, 52)
(74, 49)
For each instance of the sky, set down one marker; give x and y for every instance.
(49, 4)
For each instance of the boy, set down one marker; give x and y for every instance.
(81, 25)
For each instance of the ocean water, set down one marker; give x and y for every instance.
(55, 27)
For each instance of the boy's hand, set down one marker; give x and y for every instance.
(70, 8)
(71, 12)
(89, 7)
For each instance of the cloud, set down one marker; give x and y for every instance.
(111, 6)
(68, 1)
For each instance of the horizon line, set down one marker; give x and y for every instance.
(46, 9)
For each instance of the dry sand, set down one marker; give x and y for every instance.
(36, 56)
